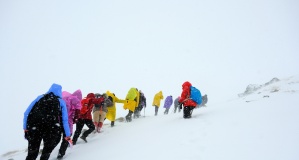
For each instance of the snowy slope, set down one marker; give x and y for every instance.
(262, 125)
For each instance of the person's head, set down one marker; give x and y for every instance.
(186, 84)
(104, 95)
(97, 95)
(90, 95)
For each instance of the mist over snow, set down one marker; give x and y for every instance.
(230, 50)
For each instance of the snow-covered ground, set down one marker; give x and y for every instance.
(221, 47)
(262, 125)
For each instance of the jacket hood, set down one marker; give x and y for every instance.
(186, 84)
(90, 95)
(56, 89)
(66, 94)
(78, 94)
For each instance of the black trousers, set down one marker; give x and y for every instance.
(79, 127)
(129, 116)
(50, 135)
(63, 146)
(188, 111)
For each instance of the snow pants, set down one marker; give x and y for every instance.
(156, 110)
(63, 146)
(50, 135)
(188, 111)
(166, 111)
(79, 127)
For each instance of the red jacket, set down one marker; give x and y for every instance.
(186, 95)
(88, 104)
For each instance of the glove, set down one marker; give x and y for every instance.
(26, 134)
(69, 140)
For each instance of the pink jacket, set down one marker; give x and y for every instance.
(73, 103)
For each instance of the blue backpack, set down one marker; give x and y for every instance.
(195, 95)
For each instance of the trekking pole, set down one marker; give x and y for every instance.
(144, 112)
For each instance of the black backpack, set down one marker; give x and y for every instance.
(46, 111)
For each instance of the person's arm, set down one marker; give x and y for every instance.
(65, 121)
(26, 113)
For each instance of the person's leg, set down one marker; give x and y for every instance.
(51, 138)
(186, 111)
(34, 141)
(156, 110)
(190, 111)
(129, 116)
(101, 122)
(63, 147)
(167, 109)
(79, 127)
(112, 123)
(135, 113)
(90, 126)
(96, 119)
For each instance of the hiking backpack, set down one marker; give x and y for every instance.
(195, 95)
(108, 101)
(45, 111)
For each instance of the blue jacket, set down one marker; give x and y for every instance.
(57, 90)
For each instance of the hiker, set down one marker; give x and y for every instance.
(141, 105)
(204, 101)
(156, 102)
(85, 117)
(45, 120)
(111, 114)
(167, 104)
(100, 111)
(185, 100)
(73, 105)
(176, 105)
(132, 101)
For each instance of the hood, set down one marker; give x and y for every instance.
(78, 94)
(186, 84)
(66, 94)
(90, 95)
(56, 89)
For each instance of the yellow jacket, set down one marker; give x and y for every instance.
(132, 102)
(111, 114)
(157, 99)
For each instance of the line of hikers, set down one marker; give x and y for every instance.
(54, 113)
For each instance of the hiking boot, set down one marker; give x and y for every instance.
(112, 123)
(59, 156)
(128, 118)
(83, 138)
(99, 129)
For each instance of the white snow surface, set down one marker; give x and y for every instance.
(262, 125)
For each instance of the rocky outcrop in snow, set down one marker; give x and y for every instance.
(255, 87)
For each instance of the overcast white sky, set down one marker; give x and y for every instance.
(219, 46)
